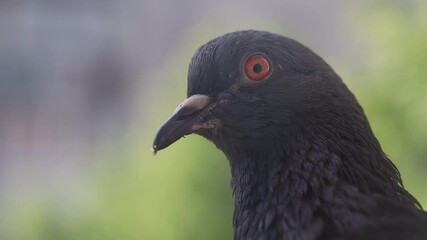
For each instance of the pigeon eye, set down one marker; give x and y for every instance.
(257, 67)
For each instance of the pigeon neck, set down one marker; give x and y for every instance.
(277, 194)
(304, 186)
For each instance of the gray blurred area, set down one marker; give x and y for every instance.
(68, 71)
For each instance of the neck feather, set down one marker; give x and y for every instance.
(302, 190)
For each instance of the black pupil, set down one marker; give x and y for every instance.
(257, 68)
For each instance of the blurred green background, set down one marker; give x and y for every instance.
(84, 85)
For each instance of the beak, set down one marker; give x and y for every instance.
(184, 120)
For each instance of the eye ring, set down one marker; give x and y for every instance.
(257, 67)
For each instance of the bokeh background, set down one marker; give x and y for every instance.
(84, 85)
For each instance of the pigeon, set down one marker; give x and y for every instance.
(305, 163)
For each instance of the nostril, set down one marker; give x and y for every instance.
(191, 106)
(185, 112)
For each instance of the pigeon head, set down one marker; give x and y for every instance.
(253, 89)
(301, 150)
